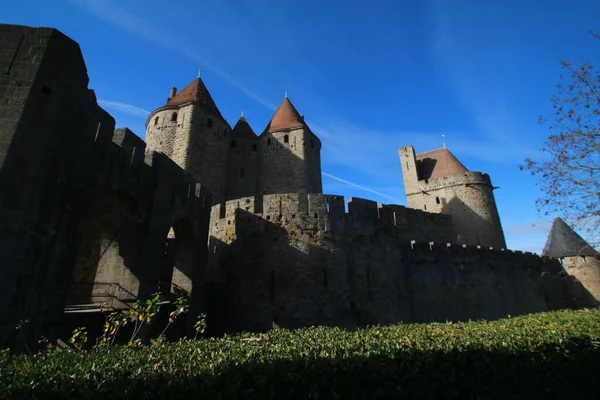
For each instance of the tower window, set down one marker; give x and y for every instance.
(174, 117)
(286, 139)
(209, 123)
(254, 147)
(155, 121)
(268, 141)
(437, 200)
(425, 207)
(312, 144)
(242, 173)
(233, 143)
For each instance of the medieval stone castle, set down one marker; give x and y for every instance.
(90, 215)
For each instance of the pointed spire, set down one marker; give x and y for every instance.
(242, 116)
(195, 92)
(199, 71)
(286, 117)
(286, 92)
(443, 140)
(243, 129)
(563, 241)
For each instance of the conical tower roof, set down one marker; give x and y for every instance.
(286, 117)
(563, 241)
(195, 92)
(243, 129)
(438, 163)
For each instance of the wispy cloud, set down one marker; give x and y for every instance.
(481, 62)
(124, 108)
(366, 189)
(529, 228)
(375, 152)
(116, 15)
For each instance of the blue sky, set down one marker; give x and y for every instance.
(368, 76)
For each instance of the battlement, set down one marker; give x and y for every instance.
(321, 206)
(444, 250)
(327, 213)
(460, 179)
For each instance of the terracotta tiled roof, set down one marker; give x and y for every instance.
(286, 117)
(194, 92)
(565, 242)
(438, 163)
(243, 129)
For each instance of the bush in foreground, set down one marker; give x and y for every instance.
(547, 355)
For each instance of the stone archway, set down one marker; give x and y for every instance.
(178, 269)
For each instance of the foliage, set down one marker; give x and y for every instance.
(200, 325)
(139, 314)
(570, 167)
(546, 355)
(181, 307)
(21, 325)
(79, 338)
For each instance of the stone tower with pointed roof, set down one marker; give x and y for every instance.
(190, 130)
(436, 181)
(242, 174)
(290, 154)
(579, 259)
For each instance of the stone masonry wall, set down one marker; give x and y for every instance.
(80, 203)
(313, 162)
(289, 167)
(470, 200)
(586, 270)
(304, 261)
(242, 174)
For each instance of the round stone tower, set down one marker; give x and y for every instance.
(436, 181)
(290, 154)
(191, 131)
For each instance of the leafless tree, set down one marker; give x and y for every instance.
(569, 168)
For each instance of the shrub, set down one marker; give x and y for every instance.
(547, 355)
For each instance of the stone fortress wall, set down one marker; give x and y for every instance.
(299, 259)
(85, 211)
(89, 215)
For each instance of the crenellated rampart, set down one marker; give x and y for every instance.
(327, 213)
(302, 260)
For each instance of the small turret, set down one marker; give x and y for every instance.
(290, 154)
(579, 259)
(242, 177)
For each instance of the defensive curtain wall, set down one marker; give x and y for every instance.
(295, 259)
(86, 214)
